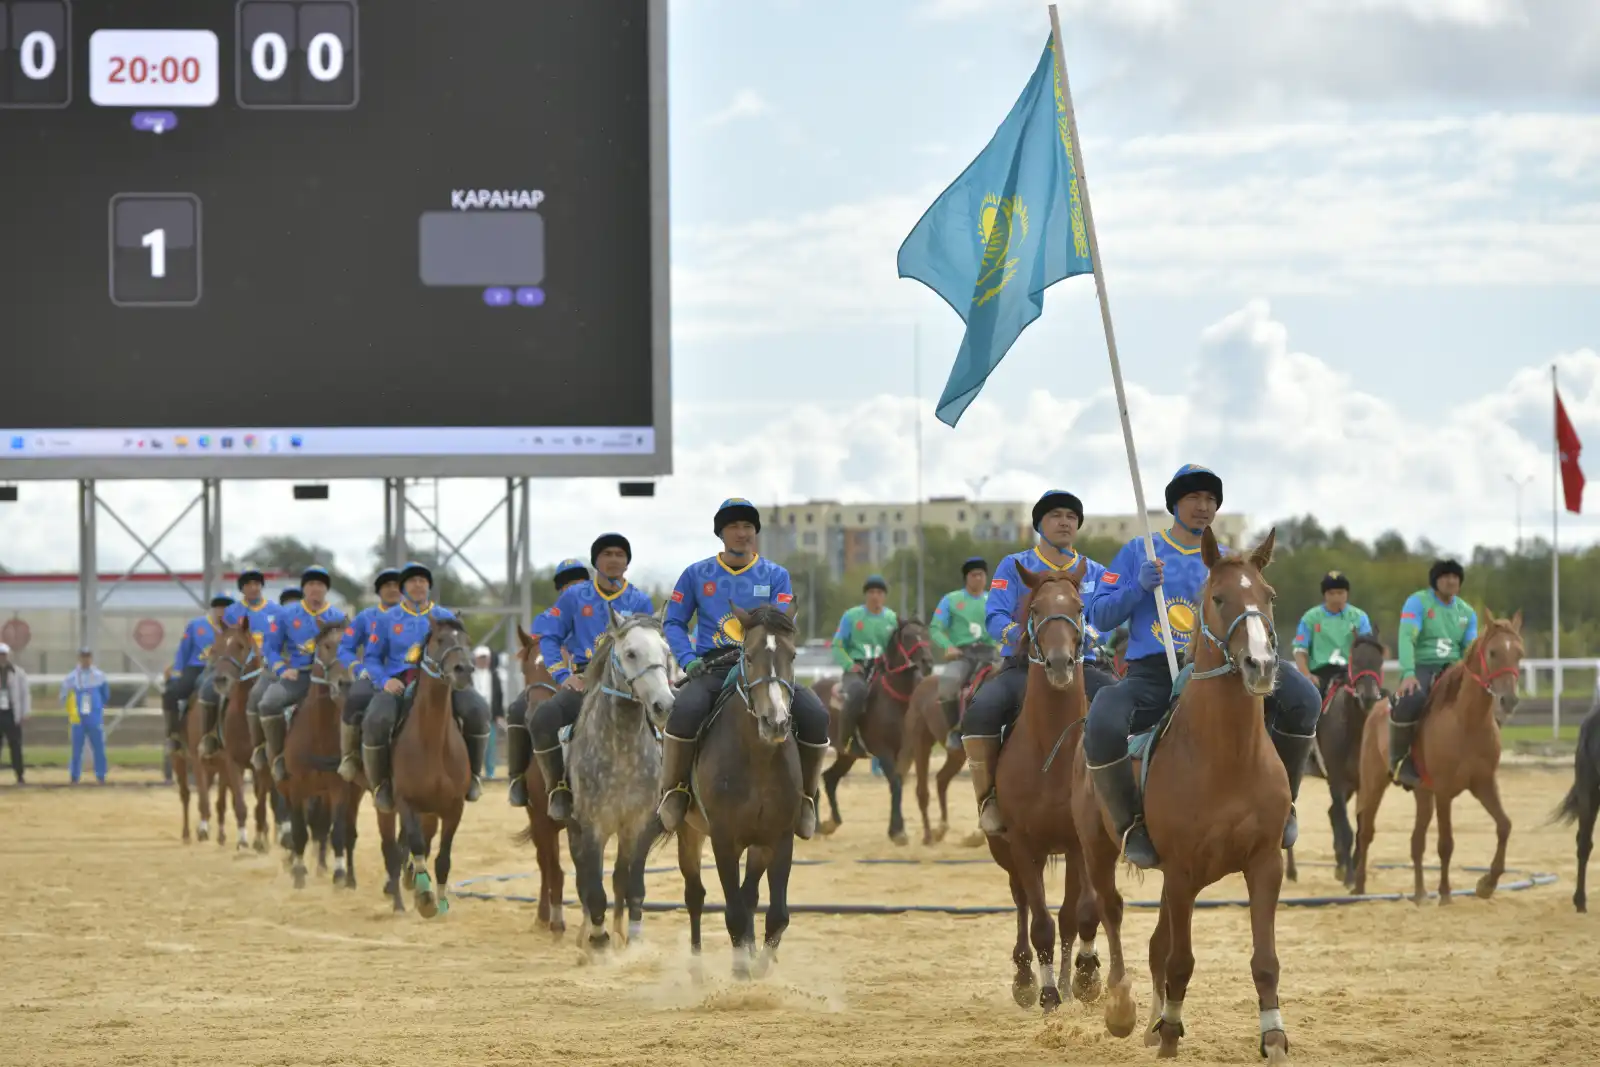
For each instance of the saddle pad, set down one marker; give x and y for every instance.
(407, 698)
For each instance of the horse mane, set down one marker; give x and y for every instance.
(1448, 686)
(769, 617)
(324, 627)
(449, 622)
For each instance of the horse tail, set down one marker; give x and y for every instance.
(654, 836)
(523, 836)
(1571, 805)
(1584, 796)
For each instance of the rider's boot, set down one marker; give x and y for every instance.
(1401, 766)
(477, 747)
(1114, 785)
(677, 761)
(210, 744)
(273, 727)
(258, 741)
(350, 751)
(552, 768)
(952, 717)
(519, 753)
(982, 755)
(850, 723)
(1294, 750)
(376, 761)
(174, 724)
(811, 757)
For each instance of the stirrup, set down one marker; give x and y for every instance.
(662, 809)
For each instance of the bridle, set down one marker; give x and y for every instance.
(239, 665)
(746, 685)
(1349, 683)
(435, 668)
(907, 663)
(1228, 664)
(1037, 624)
(1484, 676)
(615, 666)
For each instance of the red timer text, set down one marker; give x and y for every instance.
(170, 70)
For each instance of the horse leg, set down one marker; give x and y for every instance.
(389, 844)
(1447, 847)
(589, 861)
(1177, 900)
(349, 809)
(1339, 819)
(1488, 794)
(897, 822)
(920, 757)
(953, 761)
(1263, 878)
(1084, 922)
(619, 886)
(1160, 948)
(437, 901)
(180, 773)
(736, 914)
(299, 835)
(694, 890)
(782, 855)
(1042, 925)
(341, 847)
(630, 878)
(756, 861)
(241, 807)
(830, 785)
(1100, 860)
(202, 788)
(259, 787)
(1419, 841)
(552, 879)
(1369, 798)
(1588, 808)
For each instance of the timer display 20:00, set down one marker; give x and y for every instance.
(153, 68)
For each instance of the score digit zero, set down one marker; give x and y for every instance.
(326, 72)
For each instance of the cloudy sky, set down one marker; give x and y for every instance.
(1345, 240)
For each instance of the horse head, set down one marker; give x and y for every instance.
(910, 647)
(1367, 654)
(637, 664)
(1236, 602)
(327, 668)
(534, 669)
(230, 655)
(766, 669)
(447, 654)
(1053, 609)
(1494, 660)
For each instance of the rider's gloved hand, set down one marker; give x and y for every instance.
(695, 668)
(1150, 572)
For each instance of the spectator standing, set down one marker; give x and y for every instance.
(14, 706)
(85, 693)
(486, 680)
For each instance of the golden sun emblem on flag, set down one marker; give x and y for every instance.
(1002, 227)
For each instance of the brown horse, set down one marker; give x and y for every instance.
(235, 665)
(905, 661)
(311, 750)
(207, 769)
(543, 832)
(1457, 750)
(925, 727)
(1345, 709)
(430, 772)
(1216, 802)
(1033, 786)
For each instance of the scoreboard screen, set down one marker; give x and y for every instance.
(330, 238)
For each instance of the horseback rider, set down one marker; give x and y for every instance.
(1137, 702)
(958, 631)
(290, 649)
(1436, 626)
(291, 595)
(583, 614)
(1057, 518)
(1327, 632)
(707, 592)
(188, 664)
(361, 632)
(253, 605)
(400, 637)
(519, 743)
(863, 634)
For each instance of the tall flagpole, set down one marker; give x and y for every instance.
(1555, 555)
(1111, 337)
(916, 386)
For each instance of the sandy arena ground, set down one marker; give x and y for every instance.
(123, 946)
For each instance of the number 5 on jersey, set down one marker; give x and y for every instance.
(155, 249)
(297, 54)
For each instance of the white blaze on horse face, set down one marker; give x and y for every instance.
(772, 643)
(1255, 631)
(780, 703)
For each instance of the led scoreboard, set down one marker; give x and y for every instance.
(327, 238)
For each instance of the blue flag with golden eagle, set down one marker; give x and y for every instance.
(1006, 230)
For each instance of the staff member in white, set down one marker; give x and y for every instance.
(15, 703)
(486, 681)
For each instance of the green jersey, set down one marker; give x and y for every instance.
(958, 621)
(1433, 633)
(862, 636)
(1326, 637)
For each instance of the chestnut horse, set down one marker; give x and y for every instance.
(543, 832)
(1457, 750)
(207, 769)
(311, 752)
(1215, 803)
(236, 663)
(1033, 786)
(925, 727)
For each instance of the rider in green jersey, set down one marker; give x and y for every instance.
(1327, 632)
(862, 635)
(959, 632)
(1436, 626)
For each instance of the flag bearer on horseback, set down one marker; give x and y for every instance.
(863, 634)
(1326, 633)
(1436, 626)
(253, 605)
(392, 660)
(707, 593)
(188, 664)
(1057, 517)
(290, 648)
(582, 615)
(519, 742)
(958, 630)
(353, 649)
(1126, 594)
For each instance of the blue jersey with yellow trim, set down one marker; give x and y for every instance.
(292, 638)
(1006, 592)
(582, 613)
(260, 615)
(360, 633)
(398, 637)
(1118, 598)
(545, 624)
(707, 592)
(195, 646)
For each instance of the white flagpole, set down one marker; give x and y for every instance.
(916, 386)
(1111, 337)
(1555, 556)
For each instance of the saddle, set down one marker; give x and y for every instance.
(984, 672)
(403, 709)
(1142, 745)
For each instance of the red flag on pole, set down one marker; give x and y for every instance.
(1569, 446)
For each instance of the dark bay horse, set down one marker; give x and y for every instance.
(906, 660)
(236, 663)
(747, 793)
(1345, 709)
(1582, 802)
(543, 832)
(1033, 786)
(1457, 750)
(311, 751)
(1216, 801)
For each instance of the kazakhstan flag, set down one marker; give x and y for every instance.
(1006, 230)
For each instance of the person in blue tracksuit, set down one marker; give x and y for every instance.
(391, 661)
(706, 594)
(290, 650)
(188, 663)
(362, 631)
(582, 615)
(85, 693)
(519, 743)
(253, 605)
(1057, 518)
(1137, 702)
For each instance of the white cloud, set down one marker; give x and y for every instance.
(1289, 434)
(746, 104)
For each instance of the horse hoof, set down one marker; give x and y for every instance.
(1446, 898)
(1122, 1013)
(426, 900)
(938, 835)
(202, 835)
(1341, 873)
(299, 877)
(829, 828)
(900, 839)
(1486, 887)
(976, 839)
(338, 878)
(1024, 989)
(1276, 1047)
(186, 837)
(1086, 981)
(1050, 999)
(408, 878)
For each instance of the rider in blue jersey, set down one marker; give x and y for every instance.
(706, 593)
(519, 743)
(290, 651)
(188, 664)
(253, 605)
(1126, 595)
(362, 630)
